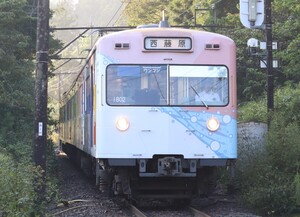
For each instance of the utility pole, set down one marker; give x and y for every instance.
(41, 97)
(270, 80)
(253, 13)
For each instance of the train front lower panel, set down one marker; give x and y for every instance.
(165, 131)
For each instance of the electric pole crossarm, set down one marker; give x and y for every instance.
(104, 29)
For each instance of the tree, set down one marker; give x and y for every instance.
(286, 21)
(64, 16)
(181, 12)
(16, 53)
(139, 12)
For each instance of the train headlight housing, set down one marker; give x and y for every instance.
(213, 124)
(122, 124)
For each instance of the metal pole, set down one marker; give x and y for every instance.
(41, 97)
(195, 16)
(270, 79)
(59, 118)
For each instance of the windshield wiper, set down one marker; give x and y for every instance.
(199, 97)
(160, 91)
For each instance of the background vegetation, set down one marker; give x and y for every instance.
(269, 182)
(17, 42)
(17, 55)
(268, 177)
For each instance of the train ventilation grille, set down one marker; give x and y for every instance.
(122, 46)
(212, 47)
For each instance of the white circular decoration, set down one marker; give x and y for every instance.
(215, 146)
(226, 119)
(194, 119)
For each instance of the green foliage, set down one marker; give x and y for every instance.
(269, 177)
(16, 80)
(286, 32)
(15, 122)
(140, 12)
(288, 103)
(270, 191)
(297, 189)
(20, 151)
(16, 191)
(253, 111)
(283, 145)
(17, 175)
(17, 50)
(181, 13)
(178, 12)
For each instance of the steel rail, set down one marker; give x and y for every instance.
(136, 211)
(198, 213)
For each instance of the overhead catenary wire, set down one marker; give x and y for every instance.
(115, 14)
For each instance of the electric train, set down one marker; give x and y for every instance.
(138, 120)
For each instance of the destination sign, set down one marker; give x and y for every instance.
(166, 43)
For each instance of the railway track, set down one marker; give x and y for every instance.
(198, 213)
(184, 212)
(80, 197)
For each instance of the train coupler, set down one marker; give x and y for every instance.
(169, 166)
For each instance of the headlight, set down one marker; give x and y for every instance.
(213, 124)
(122, 124)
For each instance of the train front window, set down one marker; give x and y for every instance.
(160, 85)
(198, 85)
(137, 85)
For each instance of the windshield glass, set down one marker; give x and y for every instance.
(160, 85)
(199, 85)
(137, 85)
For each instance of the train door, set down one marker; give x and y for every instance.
(82, 112)
(91, 99)
(88, 107)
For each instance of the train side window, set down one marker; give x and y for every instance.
(87, 89)
(91, 81)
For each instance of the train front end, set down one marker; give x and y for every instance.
(165, 112)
